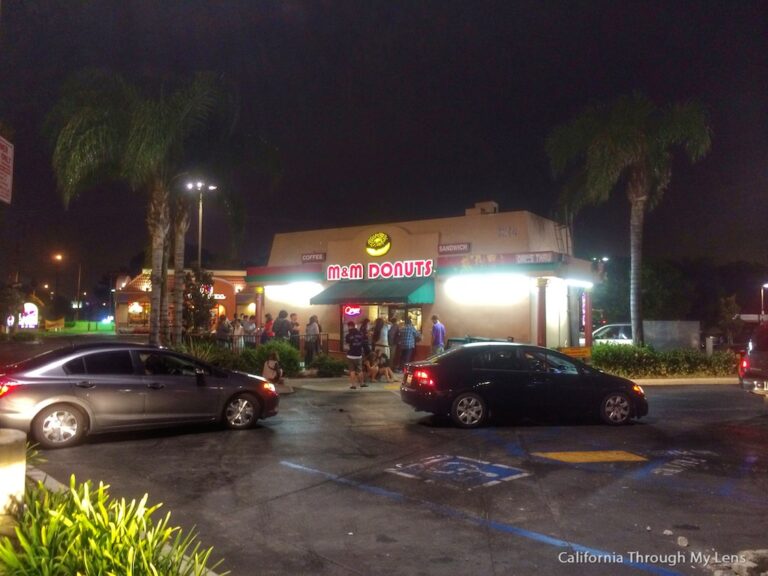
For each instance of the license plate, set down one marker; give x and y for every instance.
(408, 379)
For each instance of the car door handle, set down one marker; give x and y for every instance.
(85, 384)
(155, 385)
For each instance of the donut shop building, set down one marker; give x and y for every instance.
(491, 274)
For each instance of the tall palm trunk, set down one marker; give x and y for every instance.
(180, 227)
(165, 291)
(638, 198)
(157, 222)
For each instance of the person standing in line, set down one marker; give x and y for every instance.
(393, 336)
(354, 340)
(282, 326)
(408, 338)
(366, 336)
(249, 326)
(295, 333)
(237, 335)
(268, 333)
(438, 335)
(312, 341)
(223, 331)
(381, 336)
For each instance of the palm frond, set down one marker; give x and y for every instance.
(687, 125)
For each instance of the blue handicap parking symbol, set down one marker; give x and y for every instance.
(458, 471)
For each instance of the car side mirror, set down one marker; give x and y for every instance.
(200, 377)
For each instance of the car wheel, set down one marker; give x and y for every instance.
(242, 412)
(59, 426)
(616, 409)
(469, 410)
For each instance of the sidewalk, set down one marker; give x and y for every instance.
(341, 384)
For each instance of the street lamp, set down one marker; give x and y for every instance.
(762, 300)
(200, 187)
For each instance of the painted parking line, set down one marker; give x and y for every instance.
(448, 512)
(392, 386)
(458, 471)
(589, 456)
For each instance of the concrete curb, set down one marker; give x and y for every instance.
(341, 384)
(686, 381)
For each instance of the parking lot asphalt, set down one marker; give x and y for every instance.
(353, 482)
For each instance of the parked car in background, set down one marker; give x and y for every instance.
(660, 334)
(613, 334)
(473, 382)
(64, 394)
(753, 366)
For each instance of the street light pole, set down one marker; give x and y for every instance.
(200, 187)
(200, 231)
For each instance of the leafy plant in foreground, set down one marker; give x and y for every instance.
(82, 531)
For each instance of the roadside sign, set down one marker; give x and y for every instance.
(580, 352)
(6, 170)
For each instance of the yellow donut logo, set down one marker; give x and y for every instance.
(378, 244)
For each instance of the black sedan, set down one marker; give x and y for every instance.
(62, 395)
(472, 382)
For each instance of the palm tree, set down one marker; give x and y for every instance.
(107, 129)
(181, 219)
(628, 145)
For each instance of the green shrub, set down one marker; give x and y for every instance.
(289, 356)
(23, 336)
(86, 531)
(328, 367)
(202, 349)
(248, 360)
(645, 362)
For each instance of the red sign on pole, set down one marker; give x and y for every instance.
(6, 170)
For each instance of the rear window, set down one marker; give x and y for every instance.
(759, 342)
(497, 359)
(117, 362)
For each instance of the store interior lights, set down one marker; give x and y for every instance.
(295, 294)
(488, 289)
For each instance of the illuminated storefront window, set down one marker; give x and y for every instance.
(30, 317)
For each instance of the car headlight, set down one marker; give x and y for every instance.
(639, 389)
(269, 386)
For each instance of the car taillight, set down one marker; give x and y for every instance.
(743, 365)
(424, 379)
(6, 385)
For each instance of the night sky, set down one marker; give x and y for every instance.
(385, 111)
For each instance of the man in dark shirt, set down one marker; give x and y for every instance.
(354, 341)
